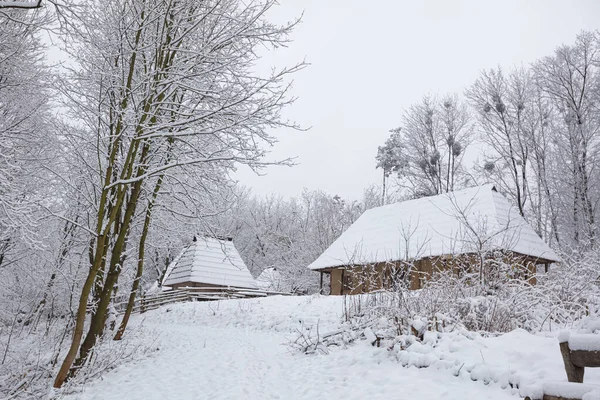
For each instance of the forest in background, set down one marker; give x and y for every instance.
(532, 131)
(111, 163)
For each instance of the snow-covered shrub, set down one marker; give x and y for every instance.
(308, 340)
(569, 291)
(109, 354)
(463, 324)
(503, 302)
(27, 361)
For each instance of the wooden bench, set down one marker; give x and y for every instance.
(578, 352)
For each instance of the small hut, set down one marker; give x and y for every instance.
(211, 263)
(422, 236)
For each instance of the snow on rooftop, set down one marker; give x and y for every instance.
(272, 280)
(465, 221)
(210, 261)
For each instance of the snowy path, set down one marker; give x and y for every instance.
(202, 361)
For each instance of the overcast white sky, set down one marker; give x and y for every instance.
(371, 59)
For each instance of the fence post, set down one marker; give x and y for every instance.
(574, 373)
(143, 304)
(321, 283)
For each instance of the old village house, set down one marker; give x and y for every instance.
(409, 241)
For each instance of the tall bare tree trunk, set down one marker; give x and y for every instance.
(102, 229)
(140, 263)
(383, 188)
(98, 320)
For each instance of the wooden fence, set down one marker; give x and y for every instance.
(152, 302)
(578, 352)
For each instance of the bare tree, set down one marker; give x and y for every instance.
(24, 121)
(426, 152)
(571, 80)
(162, 88)
(540, 129)
(500, 102)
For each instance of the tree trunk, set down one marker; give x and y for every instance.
(383, 189)
(96, 328)
(140, 265)
(63, 373)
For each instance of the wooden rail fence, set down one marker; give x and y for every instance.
(152, 302)
(578, 352)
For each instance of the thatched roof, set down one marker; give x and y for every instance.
(462, 222)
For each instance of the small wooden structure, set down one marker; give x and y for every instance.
(414, 239)
(578, 352)
(209, 264)
(196, 293)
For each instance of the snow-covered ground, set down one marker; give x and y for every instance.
(238, 349)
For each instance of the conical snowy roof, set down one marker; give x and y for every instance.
(211, 261)
(452, 223)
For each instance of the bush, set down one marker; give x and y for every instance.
(560, 299)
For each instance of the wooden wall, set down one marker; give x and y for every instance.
(364, 279)
(336, 281)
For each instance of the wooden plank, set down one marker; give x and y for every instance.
(155, 299)
(160, 300)
(585, 358)
(574, 372)
(321, 282)
(207, 293)
(146, 306)
(250, 294)
(550, 397)
(138, 307)
(335, 279)
(151, 298)
(210, 298)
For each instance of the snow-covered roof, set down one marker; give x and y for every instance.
(466, 221)
(211, 261)
(270, 279)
